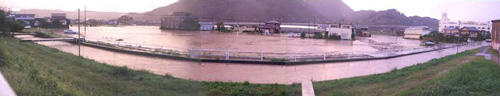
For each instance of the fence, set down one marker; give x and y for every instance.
(217, 54)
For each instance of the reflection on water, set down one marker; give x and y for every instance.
(184, 40)
(226, 72)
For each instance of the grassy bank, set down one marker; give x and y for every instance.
(455, 75)
(32, 69)
(35, 70)
(479, 77)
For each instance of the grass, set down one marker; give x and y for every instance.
(493, 52)
(394, 82)
(480, 77)
(247, 89)
(32, 69)
(36, 70)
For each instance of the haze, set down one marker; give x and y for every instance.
(469, 10)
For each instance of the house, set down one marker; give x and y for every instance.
(269, 27)
(59, 16)
(416, 32)
(495, 29)
(363, 32)
(207, 26)
(57, 20)
(451, 31)
(180, 21)
(26, 19)
(345, 31)
(470, 31)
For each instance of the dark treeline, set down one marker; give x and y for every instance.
(8, 25)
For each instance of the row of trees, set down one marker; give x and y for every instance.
(440, 37)
(9, 25)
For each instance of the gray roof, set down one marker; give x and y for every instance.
(450, 28)
(471, 28)
(22, 15)
(495, 20)
(272, 21)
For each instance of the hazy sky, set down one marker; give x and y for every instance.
(474, 10)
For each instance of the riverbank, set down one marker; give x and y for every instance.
(249, 57)
(33, 69)
(454, 75)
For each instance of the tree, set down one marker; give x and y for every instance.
(4, 27)
(125, 19)
(15, 26)
(435, 36)
(9, 25)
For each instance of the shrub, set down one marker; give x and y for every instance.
(302, 35)
(318, 35)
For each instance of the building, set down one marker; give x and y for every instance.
(269, 27)
(180, 21)
(495, 30)
(207, 26)
(58, 16)
(446, 22)
(416, 32)
(470, 31)
(451, 31)
(26, 19)
(345, 31)
(57, 20)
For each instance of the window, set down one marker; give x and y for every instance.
(346, 26)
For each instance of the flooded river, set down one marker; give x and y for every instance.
(185, 40)
(227, 72)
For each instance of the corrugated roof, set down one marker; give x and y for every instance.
(495, 20)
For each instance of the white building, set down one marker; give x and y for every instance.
(207, 26)
(416, 32)
(344, 31)
(446, 22)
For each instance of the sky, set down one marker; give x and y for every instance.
(465, 10)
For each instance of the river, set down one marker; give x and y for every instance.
(254, 73)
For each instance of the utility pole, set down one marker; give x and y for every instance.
(78, 39)
(85, 22)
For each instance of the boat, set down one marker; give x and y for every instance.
(69, 31)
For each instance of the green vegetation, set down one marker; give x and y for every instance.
(493, 52)
(406, 81)
(440, 37)
(247, 89)
(480, 77)
(302, 35)
(9, 25)
(33, 69)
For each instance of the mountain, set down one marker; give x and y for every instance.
(255, 10)
(390, 17)
(40, 13)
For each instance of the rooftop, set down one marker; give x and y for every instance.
(471, 28)
(495, 20)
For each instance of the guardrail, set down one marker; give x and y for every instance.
(232, 55)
